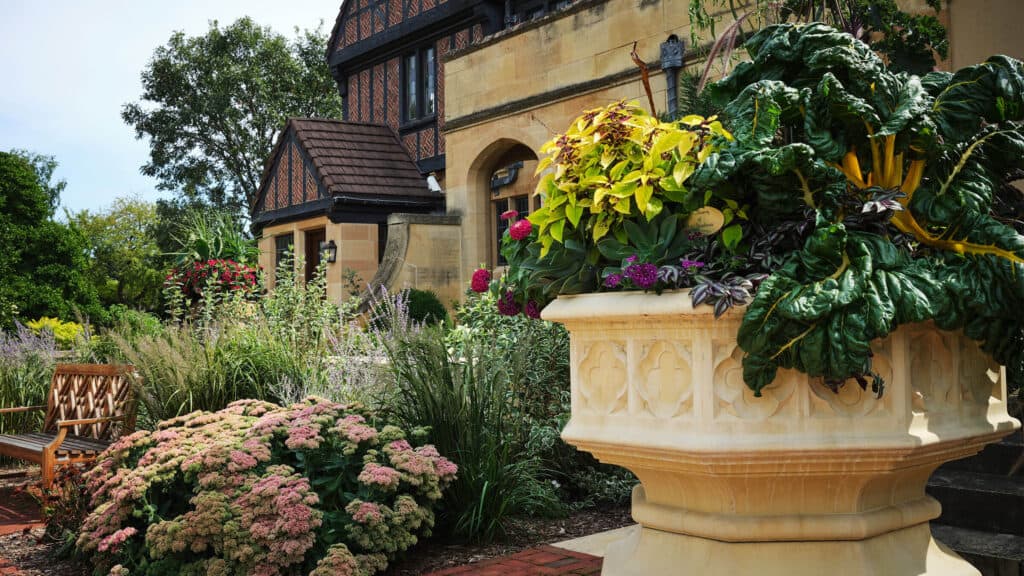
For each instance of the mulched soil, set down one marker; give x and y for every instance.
(34, 557)
(523, 533)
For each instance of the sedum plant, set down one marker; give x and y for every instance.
(314, 488)
(850, 199)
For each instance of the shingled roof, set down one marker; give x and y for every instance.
(351, 160)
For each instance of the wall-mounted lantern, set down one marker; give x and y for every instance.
(671, 62)
(328, 251)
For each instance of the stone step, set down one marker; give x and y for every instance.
(987, 502)
(992, 554)
(998, 458)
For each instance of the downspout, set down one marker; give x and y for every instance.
(672, 62)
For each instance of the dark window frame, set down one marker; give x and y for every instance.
(426, 75)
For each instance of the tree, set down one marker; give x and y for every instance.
(212, 104)
(126, 261)
(42, 262)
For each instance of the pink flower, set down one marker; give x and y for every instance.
(509, 214)
(481, 280)
(376, 475)
(112, 542)
(520, 230)
(364, 512)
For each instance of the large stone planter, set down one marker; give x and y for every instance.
(801, 481)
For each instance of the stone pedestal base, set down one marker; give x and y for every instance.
(908, 552)
(800, 481)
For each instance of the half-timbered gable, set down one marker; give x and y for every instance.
(387, 58)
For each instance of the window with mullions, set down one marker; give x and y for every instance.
(284, 250)
(419, 85)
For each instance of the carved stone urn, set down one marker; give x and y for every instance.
(801, 481)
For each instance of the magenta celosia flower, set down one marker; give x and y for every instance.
(532, 310)
(643, 275)
(507, 305)
(509, 214)
(481, 280)
(521, 229)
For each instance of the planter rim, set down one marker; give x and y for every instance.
(630, 306)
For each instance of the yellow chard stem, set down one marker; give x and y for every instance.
(888, 163)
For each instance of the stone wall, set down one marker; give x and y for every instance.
(522, 86)
(424, 252)
(357, 250)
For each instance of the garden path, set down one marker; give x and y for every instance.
(535, 561)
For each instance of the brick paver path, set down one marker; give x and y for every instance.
(542, 560)
(17, 512)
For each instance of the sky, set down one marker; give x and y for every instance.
(67, 67)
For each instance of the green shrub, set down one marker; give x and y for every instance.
(539, 397)
(259, 489)
(425, 306)
(64, 333)
(463, 402)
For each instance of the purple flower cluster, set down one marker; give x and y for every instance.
(613, 281)
(644, 276)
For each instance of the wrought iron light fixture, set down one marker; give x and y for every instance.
(328, 251)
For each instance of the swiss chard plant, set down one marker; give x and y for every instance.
(849, 199)
(902, 175)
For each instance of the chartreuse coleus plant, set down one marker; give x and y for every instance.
(613, 187)
(899, 174)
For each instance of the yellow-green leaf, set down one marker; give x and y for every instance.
(654, 207)
(601, 227)
(643, 195)
(542, 164)
(573, 213)
(556, 230)
(622, 205)
(681, 171)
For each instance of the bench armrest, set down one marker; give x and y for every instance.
(21, 409)
(84, 421)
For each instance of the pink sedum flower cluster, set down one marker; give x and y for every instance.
(256, 489)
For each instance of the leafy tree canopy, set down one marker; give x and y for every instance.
(126, 265)
(211, 105)
(43, 263)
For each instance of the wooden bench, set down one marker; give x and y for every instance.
(87, 408)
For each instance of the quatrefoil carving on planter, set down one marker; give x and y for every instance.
(664, 382)
(603, 379)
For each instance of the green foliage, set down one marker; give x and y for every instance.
(213, 235)
(616, 164)
(909, 237)
(908, 42)
(539, 398)
(425, 306)
(212, 104)
(64, 333)
(462, 400)
(125, 264)
(64, 505)
(43, 263)
(260, 489)
(27, 361)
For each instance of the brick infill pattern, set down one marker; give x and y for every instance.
(541, 560)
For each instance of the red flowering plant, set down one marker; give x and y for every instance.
(224, 276)
(315, 488)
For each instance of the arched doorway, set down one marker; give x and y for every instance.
(501, 181)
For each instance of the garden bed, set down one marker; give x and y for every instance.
(36, 558)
